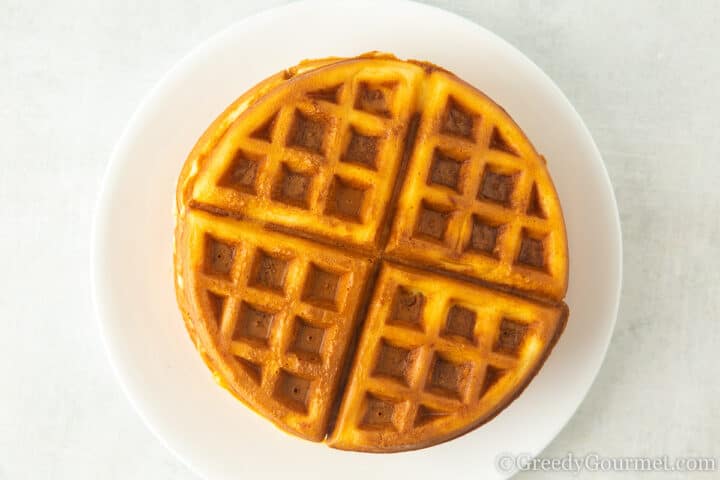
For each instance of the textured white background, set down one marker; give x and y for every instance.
(644, 75)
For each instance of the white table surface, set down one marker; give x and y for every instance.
(643, 75)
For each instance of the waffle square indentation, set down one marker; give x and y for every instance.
(307, 340)
(511, 337)
(307, 133)
(446, 171)
(242, 173)
(219, 256)
(361, 150)
(458, 120)
(268, 272)
(446, 377)
(497, 186)
(321, 287)
(460, 322)
(484, 237)
(253, 324)
(432, 222)
(532, 251)
(407, 308)
(394, 362)
(292, 391)
(375, 98)
(292, 187)
(378, 413)
(345, 200)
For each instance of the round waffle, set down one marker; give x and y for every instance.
(370, 252)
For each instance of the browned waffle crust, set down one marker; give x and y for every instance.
(370, 251)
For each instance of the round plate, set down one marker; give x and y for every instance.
(152, 355)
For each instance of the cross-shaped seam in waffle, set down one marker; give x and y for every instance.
(328, 154)
(304, 165)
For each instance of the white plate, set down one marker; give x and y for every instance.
(132, 272)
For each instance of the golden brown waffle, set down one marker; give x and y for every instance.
(320, 156)
(477, 198)
(378, 199)
(438, 357)
(272, 314)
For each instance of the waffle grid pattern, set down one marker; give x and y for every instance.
(473, 193)
(329, 156)
(280, 306)
(433, 350)
(324, 164)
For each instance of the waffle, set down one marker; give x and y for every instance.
(478, 199)
(273, 315)
(370, 252)
(436, 358)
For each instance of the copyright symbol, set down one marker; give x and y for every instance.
(505, 463)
